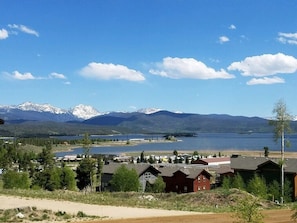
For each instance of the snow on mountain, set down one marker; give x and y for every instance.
(79, 111)
(84, 111)
(28, 106)
(149, 110)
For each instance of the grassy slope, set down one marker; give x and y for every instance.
(205, 201)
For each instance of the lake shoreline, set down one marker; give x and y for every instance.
(224, 152)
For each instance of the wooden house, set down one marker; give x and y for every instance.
(185, 179)
(268, 168)
(146, 173)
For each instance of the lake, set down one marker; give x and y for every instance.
(204, 141)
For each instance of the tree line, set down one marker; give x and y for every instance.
(26, 169)
(258, 187)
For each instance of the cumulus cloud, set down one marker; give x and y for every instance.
(178, 68)
(19, 76)
(24, 29)
(223, 39)
(3, 34)
(290, 38)
(265, 65)
(57, 75)
(111, 71)
(266, 80)
(232, 26)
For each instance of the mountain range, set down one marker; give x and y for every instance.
(35, 119)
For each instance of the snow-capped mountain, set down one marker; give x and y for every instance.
(46, 112)
(84, 111)
(28, 106)
(149, 110)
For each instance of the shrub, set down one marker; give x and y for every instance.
(13, 179)
(125, 179)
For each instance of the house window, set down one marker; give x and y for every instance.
(199, 188)
(185, 189)
(204, 187)
(198, 178)
(204, 178)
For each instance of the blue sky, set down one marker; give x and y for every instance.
(207, 57)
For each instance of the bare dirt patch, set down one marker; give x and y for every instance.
(114, 214)
(72, 208)
(271, 216)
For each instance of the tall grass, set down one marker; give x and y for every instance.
(197, 202)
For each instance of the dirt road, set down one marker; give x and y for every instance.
(109, 212)
(279, 216)
(135, 215)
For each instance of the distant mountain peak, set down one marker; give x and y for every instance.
(29, 106)
(149, 110)
(78, 112)
(84, 111)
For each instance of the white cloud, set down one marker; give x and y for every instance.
(232, 26)
(266, 80)
(178, 68)
(3, 34)
(265, 65)
(290, 38)
(223, 39)
(25, 76)
(24, 29)
(57, 75)
(111, 71)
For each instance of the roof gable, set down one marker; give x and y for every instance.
(188, 171)
(140, 168)
(271, 164)
(247, 163)
(254, 163)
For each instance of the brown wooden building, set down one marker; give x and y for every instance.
(146, 173)
(267, 168)
(185, 179)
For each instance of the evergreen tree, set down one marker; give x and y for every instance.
(85, 173)
(142, 157)
(175, 152)
(46, 157)
(238, 182)
(48, 179)
(227, 183)
(4, 162)
(287, 191)
(8, 155)
(25, 159)
(274, 190)
(257, 186)
(266, 151)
